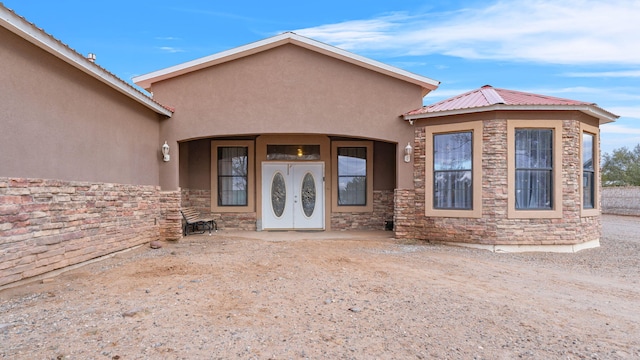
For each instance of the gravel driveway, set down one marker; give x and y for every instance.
(229, 296)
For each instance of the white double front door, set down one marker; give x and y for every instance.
(292, 195)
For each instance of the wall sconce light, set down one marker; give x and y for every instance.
(407, 152)
(300, 153)
(165, 152)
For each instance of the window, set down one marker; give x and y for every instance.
(232, 176)
(534, 168)
(453, 170)
(590, 170)
(353, 176)
(232, 183)
(293, 152)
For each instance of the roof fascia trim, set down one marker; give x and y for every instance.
(367, 63)
(32, 34)
(146, 80)
(603, 116)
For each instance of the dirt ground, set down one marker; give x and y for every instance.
(333, 295)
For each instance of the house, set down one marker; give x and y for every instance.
(286, 133)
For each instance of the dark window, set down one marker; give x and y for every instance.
(453, 171)
(232, 176)
(534, 169)
(352, 176)
(293, 152)
(588, 171)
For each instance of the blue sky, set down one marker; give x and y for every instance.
(578, 49)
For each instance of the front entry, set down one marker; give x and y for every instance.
(293, 196)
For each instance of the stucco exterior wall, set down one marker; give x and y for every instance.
(495, 227)
(58, 123)
(621, 200)
(79, 166)
(287, 90)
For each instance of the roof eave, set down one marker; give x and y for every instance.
(602, 115)
(145, 81)
(27, 31)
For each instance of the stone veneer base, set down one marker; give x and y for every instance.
(57, 272)
(48, 224)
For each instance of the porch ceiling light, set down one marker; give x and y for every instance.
(165, 152)
(408, 150)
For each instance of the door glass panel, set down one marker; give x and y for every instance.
(308, 194)
(278, 194)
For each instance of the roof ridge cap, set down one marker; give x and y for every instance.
(491, 95)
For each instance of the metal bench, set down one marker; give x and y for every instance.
(196, 223)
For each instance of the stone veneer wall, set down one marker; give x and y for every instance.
(50, 224)
(382, 211)
(170, 217)
(494, 228)
(621, 200)
(201, 201)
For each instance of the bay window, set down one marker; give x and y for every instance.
(534, 169)
(590, 167)
(453, 171)
(534, 181)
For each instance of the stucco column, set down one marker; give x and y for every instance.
(169, 170)
(405, 178)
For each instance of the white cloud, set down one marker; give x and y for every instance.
(440, 94)
(170, 49)
(548, 31)
(626, 111)
(605, 74)
(601, 95)
(613, 128)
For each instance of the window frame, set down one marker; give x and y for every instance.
(368, 207)
(556, 176)
(476, 129)
(595, 132)
(215, 145)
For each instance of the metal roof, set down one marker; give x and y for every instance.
(488, 98)
(31, 33)
(145, 81)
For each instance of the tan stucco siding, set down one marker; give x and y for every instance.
(288, 90)
(59, 123)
